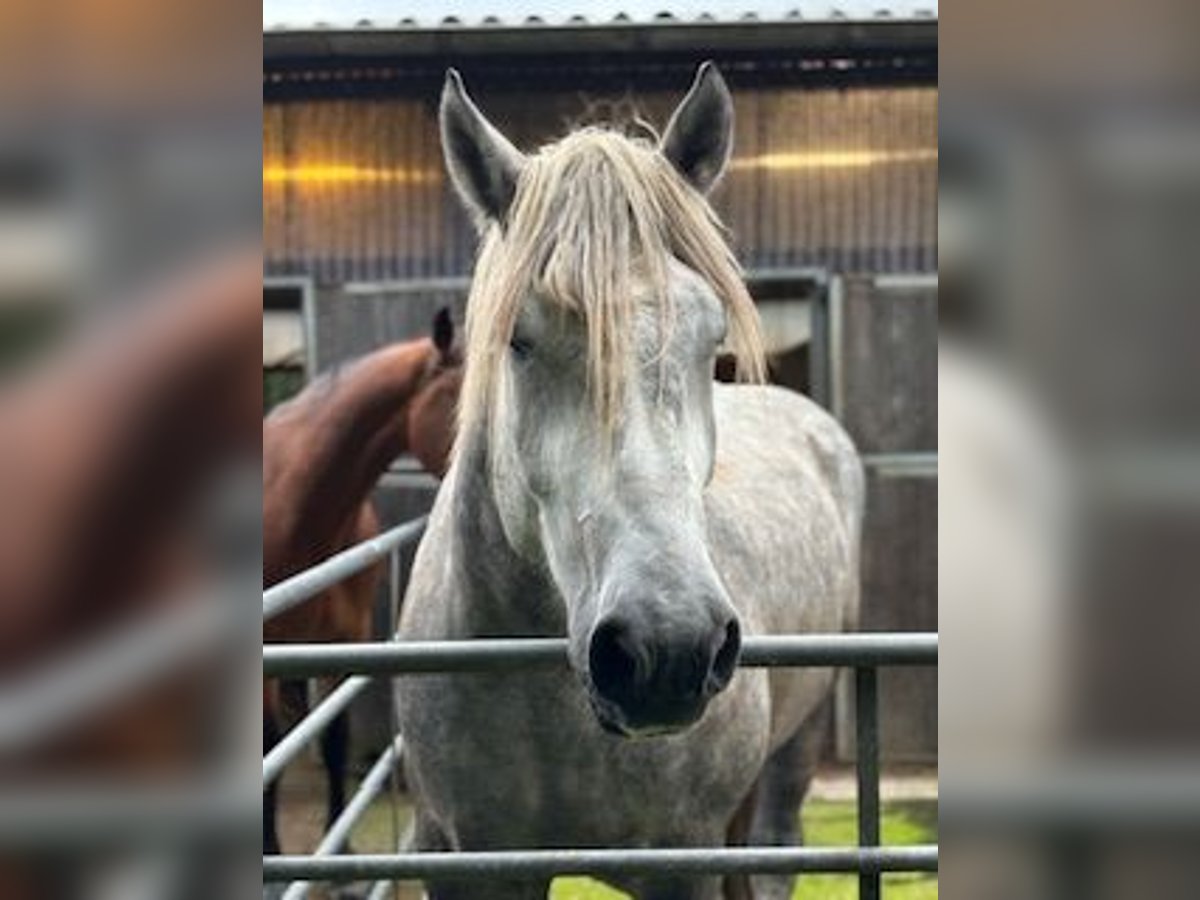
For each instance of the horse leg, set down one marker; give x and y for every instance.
(429, 838)
(781, 788)
(270, 795)
(737, 887)
(335, 747)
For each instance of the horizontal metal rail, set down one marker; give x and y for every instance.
(510, 654)
(385, 887)
(925, 281)
(307, 584)
(551, 863)
(907, 464)
(339, 832)
(37, 707)
(1151, 793)
(310, 726)
(95, 816)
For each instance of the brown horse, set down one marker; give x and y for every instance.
(110, 450)
(323, 452)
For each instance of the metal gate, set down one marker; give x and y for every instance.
(360, 663)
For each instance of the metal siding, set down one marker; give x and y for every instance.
(858, 195)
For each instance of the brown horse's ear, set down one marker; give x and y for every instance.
(482, 163)
(443, 332)
(699, 137)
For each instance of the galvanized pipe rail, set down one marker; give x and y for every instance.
(908, 464)
(94, 816)
(307, 584)
(310, 726)
(551, 863)
(509, 654)
(339, 832)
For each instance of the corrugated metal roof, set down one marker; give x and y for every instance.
(311, 15)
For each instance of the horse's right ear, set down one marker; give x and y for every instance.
(443, 332)
(482, 163)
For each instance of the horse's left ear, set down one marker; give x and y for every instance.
(699, 137)
(443, 332)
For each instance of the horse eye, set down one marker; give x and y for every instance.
(520, 347)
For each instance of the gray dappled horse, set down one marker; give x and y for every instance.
(603, 487)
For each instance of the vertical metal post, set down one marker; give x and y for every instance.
(866, 709)
(308, 320)
(381, 887)
(394, 591)
(837, 347)
(818, 345)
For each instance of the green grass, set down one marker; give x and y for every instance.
(825, 824)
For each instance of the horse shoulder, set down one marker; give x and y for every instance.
(783, 509)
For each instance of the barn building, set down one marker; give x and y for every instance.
(831, 202)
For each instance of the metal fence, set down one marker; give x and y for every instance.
(865, 653)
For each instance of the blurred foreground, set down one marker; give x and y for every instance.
(130, 408)
(1070, 509)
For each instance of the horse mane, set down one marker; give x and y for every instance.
(314, 397)
(592, 213)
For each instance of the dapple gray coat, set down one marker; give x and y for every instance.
(719, 500)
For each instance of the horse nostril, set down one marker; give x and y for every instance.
(726, 660)
(613, 661)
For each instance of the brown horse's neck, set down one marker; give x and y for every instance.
(366, 415)
(325, 450)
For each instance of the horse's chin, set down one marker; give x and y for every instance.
(615, 722)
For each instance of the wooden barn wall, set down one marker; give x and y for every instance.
(840, 178)
(889, 405)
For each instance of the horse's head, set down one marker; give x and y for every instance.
(431, 412)
(603, 292)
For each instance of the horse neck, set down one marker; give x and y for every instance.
(369, 421)
(335, 447)
(502, 592)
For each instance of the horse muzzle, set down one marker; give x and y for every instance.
(648, 682)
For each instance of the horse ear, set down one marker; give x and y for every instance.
(483, 165)
(443, 332)
(699, 137)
